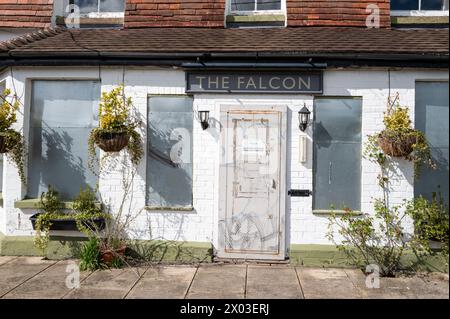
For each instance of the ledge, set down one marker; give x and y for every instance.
(93, 21)
(330, 212)
(252, 18)
(169, 209)
(419, 20)
(33, 203)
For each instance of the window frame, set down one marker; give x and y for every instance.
(98, 14)
(229, 11)
(336, 210)
(419, 12)
(185, 209)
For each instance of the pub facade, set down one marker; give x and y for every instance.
(253, 124)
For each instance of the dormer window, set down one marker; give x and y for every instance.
(255, 13)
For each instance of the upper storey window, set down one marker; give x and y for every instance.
(256, 13)
(89, 13)
(419, 7)
(100, 6)
(255, 5)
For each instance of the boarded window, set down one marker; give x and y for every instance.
(62, 116)
(337, 153)
(255, 5)
(431, 117)
(169, 152)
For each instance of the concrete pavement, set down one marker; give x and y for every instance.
(32, 277)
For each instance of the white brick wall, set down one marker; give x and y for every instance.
(201, 224)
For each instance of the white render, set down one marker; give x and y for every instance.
(303, 227)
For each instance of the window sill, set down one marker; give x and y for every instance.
(419, 20)
(330, 212)
(33, 203)
(93, 21)
(254, 18)
(169, 209)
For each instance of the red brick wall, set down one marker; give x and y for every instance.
(174, 13)
(334, 12)
(25, 13)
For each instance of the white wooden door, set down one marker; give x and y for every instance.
(252, 184)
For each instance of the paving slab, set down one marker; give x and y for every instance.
(327, 283)
(164, 283)
(218, 282)
(5, 259)
(107, 284)
(49, 284)
(272, 282)
(401, 287)
(19, 270)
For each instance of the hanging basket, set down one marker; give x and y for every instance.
(397, 144)
(112, 141)
(3, 148)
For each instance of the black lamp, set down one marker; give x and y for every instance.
(204, 119)
(303, 118)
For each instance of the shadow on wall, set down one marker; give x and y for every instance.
(60, 160)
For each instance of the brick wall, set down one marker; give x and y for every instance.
(174, 13)
(26, 13)
(334, 12)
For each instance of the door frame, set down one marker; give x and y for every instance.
(246, 108)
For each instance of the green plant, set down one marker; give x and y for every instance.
(115, 116)
(90, 255)
(86, 211)
(431, 221)
(13, 140)
(377, 239)
(403, 138)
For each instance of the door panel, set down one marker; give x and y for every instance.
(252, 185)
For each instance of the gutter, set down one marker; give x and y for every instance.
(250, 60)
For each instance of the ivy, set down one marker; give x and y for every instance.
(14, 141)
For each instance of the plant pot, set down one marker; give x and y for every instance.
(396, 145)
(69, 224)
(107, 255)
(112, 142)
(3, 148)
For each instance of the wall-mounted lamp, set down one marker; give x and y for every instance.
(204, 119)
(304, 118)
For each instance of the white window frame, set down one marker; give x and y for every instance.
(99, 14)
(420, 13)
(256, 12)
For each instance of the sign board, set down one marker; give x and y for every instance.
(254, 82)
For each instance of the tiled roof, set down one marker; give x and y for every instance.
(26, 13)
(286, 41)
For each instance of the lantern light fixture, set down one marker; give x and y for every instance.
(204, 119)
(304, 118)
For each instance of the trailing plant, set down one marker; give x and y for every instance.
(399, 139)
(11, 141)
(85, 211)
(115, 117)
(431, 221)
